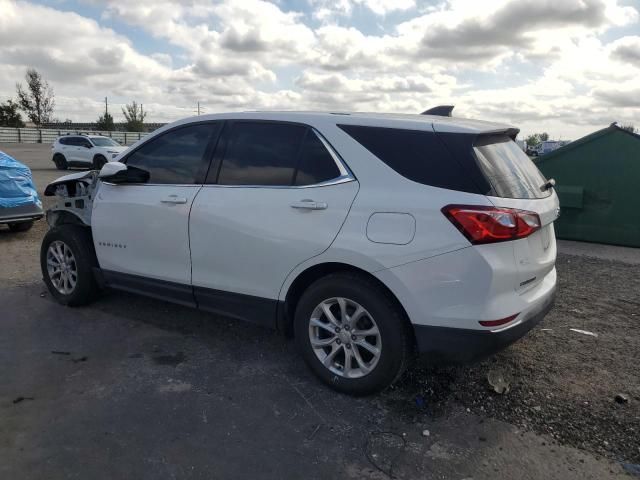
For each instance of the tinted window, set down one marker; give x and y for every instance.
(82, 142)
(508, 169)
(415, 154)
(104, 142)
(64, 141)
(261, 154)
(316, 163)
(175, 156)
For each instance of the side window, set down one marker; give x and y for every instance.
(417, 155)
(83, 142)
(316, 163)
(176, 156)
(261, 153)
(64, 141)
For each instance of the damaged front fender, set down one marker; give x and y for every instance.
(74, 198)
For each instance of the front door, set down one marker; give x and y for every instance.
(276, 196)
(141, 231)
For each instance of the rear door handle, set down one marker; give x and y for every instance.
(174, 199)
(309, 205)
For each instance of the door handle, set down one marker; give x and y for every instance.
(174, 199)
(309, 205)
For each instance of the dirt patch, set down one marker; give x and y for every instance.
(562, 383)
(23, 250)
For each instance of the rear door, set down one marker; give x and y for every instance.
(84, 150)
(517, 183)
(70, 149)
(276, 195)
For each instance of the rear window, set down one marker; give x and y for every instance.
(415, 154)
(261, 153)
(508, 169)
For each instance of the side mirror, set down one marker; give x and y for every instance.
(88, 145)
(116, 172)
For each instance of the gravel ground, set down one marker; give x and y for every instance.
(562, 383)
(23, 248)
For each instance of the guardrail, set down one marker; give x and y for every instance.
(43, 135)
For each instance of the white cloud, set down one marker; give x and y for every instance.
(328, 9)
(537, 63)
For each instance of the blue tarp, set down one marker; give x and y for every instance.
(16, 184)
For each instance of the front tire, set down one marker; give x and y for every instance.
(352, 334)
(67, 260)
(20, 226)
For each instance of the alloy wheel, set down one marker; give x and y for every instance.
(345, 337)
(61, 267)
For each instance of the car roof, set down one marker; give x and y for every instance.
(389, 120)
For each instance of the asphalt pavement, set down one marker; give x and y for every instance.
(131, 387)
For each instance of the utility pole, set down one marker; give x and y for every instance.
(106, 107)
(198, 108)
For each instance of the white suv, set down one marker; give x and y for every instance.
(366, 236)
(84, 151)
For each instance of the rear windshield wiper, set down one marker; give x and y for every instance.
(546, 186)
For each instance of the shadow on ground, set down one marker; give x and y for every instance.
(135, 388)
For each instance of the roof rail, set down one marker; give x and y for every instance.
(440, 111)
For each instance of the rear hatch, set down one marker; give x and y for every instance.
(517, 183)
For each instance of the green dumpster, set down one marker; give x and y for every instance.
(598, 184)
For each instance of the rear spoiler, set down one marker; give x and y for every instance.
(440, 111)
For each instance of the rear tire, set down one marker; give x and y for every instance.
(98, 162)
(20, 226)
(60, 161)
(67, 260)
(359, 305)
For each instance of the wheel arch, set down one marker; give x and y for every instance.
(304, 279)
(64, 217)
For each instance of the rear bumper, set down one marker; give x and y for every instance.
(23, 213)
(459, 345)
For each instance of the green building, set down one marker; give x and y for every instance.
(598, 182)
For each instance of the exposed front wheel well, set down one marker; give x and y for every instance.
(61, 217)
(310, 275)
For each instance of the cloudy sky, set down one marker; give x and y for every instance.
(564, 66)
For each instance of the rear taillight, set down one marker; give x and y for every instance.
(482, 224)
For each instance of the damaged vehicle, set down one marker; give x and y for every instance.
(367, 237)
(20, 205)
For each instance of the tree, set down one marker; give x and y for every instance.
(37, 101)
(105, 123)
(532, 140)
(9, 115)
(134, 116)
(629, 128)
(536, 138)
